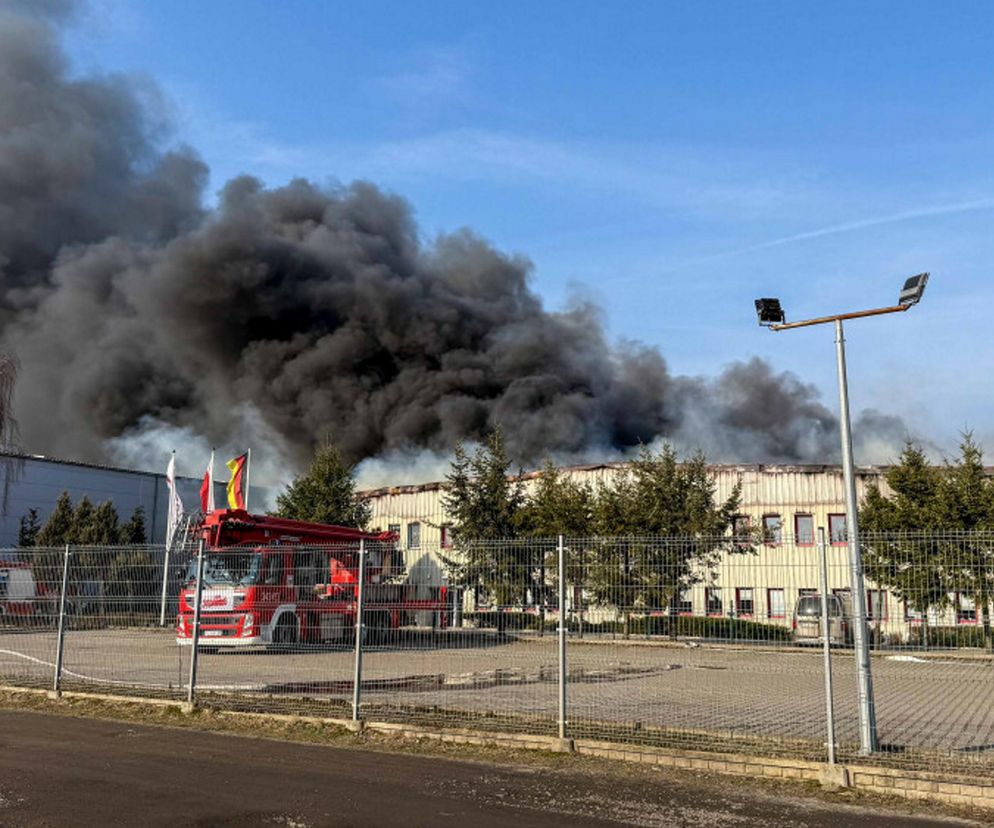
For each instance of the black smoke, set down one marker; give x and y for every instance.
(302, 310)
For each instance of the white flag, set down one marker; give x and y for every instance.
(175, 510)
(207, 488)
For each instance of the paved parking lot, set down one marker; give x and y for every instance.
(940, 703)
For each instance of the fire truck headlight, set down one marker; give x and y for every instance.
(248, 622)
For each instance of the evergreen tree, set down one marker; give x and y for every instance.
(893, 556)
(57, 529)
(479, 496)
(915, 503)
(132, 581)
(558, 505)
(668, 528)
(133, 532)
(906, 541)
(82, 526)
(29, 528)
(91, 530)
(326, 494)
(47, 560)
(484, 505)
(966, 502)
(99, 527)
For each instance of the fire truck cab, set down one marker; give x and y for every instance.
(272, 581)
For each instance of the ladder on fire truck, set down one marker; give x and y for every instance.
(183, 538)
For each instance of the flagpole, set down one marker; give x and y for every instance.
(171, 521)
(171, 509)
(248, 471)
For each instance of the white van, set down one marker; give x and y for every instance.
(807, 620)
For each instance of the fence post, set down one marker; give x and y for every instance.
(359, 630)
(61, 639)
(165, 583)
(191, 689)
(541, 593)
(826, 631)
(578, 594)
(562, 639)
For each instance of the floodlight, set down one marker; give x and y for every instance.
(769, 312)
(911, 293)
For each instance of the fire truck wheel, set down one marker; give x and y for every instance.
(285, 631)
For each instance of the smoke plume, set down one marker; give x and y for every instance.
(299, 312)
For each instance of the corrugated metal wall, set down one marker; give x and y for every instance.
(42, 480)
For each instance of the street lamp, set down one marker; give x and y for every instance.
(771, 315)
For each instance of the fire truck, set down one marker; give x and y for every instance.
(269, 581)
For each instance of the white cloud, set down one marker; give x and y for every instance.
(436, 74)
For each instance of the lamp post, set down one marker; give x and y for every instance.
(771, 315)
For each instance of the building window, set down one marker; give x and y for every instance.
(413, 535)
(394, 529)
(742, 531)
(807, 591)
(744, 607)
(876, 605)
(684, 603)
(712, 600)
(966, 610)
(771, 529)
(837, 531)
(446, 540)
(804, 530)
(776, 604)
(912, 615)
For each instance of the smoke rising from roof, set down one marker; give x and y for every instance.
(289, 314)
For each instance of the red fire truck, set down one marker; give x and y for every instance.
(272, 581)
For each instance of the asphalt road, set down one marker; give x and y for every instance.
(941, 704)
(57, 771)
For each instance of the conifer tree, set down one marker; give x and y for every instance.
(82, 526)
(326, 494)
(101, 529)
(29, 528)
(668, 528)
(558, 505)
(133, 532)
(484, 504)
(57, 529)
(47, 560)
(906, 538)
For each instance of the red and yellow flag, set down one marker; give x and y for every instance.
(236, 486)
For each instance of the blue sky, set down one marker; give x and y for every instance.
(675, 161)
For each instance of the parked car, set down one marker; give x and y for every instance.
(807, 628)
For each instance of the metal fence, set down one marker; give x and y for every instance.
(723, 644)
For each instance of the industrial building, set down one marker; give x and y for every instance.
(768, 492)
(35, 482)
(789, 502)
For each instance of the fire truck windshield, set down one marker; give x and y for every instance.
(227, 569)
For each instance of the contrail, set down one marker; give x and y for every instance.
(848, 227)
(892, 218)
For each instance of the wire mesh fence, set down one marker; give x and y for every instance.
(703, 643)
